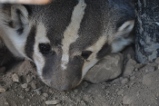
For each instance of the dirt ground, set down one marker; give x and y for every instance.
(137, 86)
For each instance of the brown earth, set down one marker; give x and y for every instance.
(137, 86)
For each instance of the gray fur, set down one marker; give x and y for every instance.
(101, 19)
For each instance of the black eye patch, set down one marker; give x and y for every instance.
(44, 48)
(86, 54)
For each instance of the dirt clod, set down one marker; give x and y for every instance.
(124, 80)
(45, 95)
(6, 103)
(2, 90)
(129, 68)
(28, 78)
(127, 100)
(146, 80)
(38, 92)
(24, 86)
(33, 85)
(120, 92)
(15, 78)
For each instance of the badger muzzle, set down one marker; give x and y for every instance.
(63, 79)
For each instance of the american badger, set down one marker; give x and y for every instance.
(66, 37)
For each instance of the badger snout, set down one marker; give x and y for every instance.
(63, 79)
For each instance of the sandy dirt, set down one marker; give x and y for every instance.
(136, 85)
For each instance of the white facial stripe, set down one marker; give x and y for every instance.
(71, 33)
(92, 60)
(41, 34)
(37, 56)
(96, 47)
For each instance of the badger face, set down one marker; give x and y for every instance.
(67, 37)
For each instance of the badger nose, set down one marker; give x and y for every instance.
(63, 80)
(65, 86)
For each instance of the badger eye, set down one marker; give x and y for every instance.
(86, 54)
(44, 48)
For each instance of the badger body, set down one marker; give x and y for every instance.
(66, 37)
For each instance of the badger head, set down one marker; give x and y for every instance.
(67, 37)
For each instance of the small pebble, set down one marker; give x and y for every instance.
(43, 98)
(83, 103)
(103, 87)
(86, 98)
(129, 68)
(50, 91)
(76, 91)
(28, 78)
(33, 85)
(28, 100)
(127, 100)
(120, 92)
(38, 92)
(132, 77)
(27, 89)
(147, 80)
(2, 90)
(21, 97)
(52, 102)
(136, 69)
(6, 103)
(149, 69)
(45, 95)
(124, 81)
(15, 78)
(24, 86)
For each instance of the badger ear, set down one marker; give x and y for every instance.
(19, 18)
(123, 37)
(126, 28)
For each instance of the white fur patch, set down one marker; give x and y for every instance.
(127, 26)
(92, 60)
(117, 46)
(37, 56)
(71, 32)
